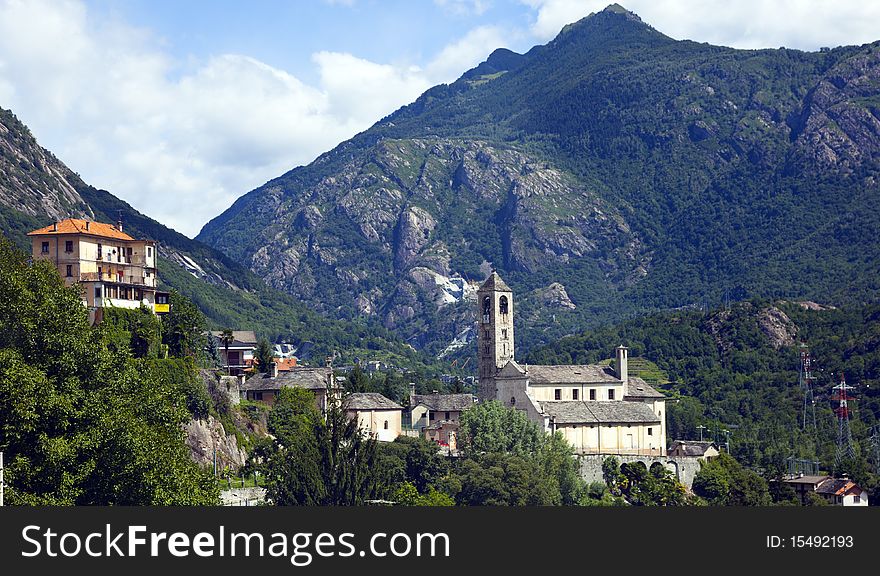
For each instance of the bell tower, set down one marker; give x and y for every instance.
(494, 332)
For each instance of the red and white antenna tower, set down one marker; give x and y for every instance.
(840, 398)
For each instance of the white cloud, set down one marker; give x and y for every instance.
(467, 52)
(803, 24)
(181, 140)
(464, 7)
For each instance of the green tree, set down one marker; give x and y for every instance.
(265, 356)
(226, 338)
(493, 427)
(183, 328)
(79, 423)
(722, 481)
(315, 461)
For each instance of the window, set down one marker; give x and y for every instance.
(69, 270)
(386, 424)
(100, 251)
(611, 393)
(68, 246)
(97, 292)
(45, 248)
(487, 349)
(592, 393)
(486, 334)
(149, 252)
(446, 416)
(502, 305)
(487, 307)
(650, 431)
(574, 394)
(504, 333)
(513, 401)
(431, 417)
(258, 395)
(557, 394)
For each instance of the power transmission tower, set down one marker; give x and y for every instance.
(845, 447)
(806, 384)
(874, 440)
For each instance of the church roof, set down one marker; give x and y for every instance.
(638, 388)
(596, 412)
(691, 447)
(444, 402)
(494, 282)
(570, 374)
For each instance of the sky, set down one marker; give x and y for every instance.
(180, 107)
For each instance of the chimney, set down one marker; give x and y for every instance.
(412, 394)
(274, 369)
(55, 227)
(622, 361)
(87, 225)
(241, 379)
(119, 224)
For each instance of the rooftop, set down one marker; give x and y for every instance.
(692, 447)
(298, 377)
(240, 338)
(638, 388)
(444, 402)
(77, 226)
(369, 401)
(595, 412)
(494, 282)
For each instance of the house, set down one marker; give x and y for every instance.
(837, 491)
(693, 448)
(240, 351)
(599, 410)
(376, 414)
(444, 433)
(427, 408)
(265, 387)
(115, 269)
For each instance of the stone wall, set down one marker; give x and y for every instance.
(204, 437)
(683, 467)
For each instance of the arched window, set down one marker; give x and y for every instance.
(502, 305)
(487, 308)
(386, 424)
(513, 400)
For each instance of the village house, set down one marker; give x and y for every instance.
(376, 415)
(265, 387)
(114, 269)
(236, 356)
(599, 410)
(837, 491)
(693, 448)
(436, 416)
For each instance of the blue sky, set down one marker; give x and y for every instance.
(181, 107)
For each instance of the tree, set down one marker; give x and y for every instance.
(79, 423)
(183, 328)
(493, 427)
(226, 338)
(722, 481)
(315, 461)
(265, 356)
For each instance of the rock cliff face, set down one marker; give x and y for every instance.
(206, 438)
(33, 181)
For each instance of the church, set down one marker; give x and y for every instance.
(599, 410)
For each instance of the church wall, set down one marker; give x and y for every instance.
(515, 388)
(547, 392)
(614, 438)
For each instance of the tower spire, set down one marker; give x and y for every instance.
(495, 344)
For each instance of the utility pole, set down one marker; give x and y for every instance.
(701, 428)
(2, 486)
(726, 440)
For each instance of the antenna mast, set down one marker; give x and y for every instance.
(806, 384)
(845, 447)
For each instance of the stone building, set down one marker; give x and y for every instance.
(436, 416)
(597, 409)
(265, 387)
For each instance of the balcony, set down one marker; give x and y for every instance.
(134, 280)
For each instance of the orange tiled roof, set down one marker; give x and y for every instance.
(285, 364)
(76, 226)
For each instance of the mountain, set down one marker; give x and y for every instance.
(36, 189)
(634, 171)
